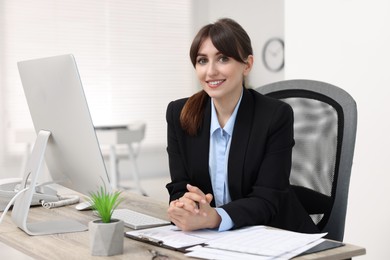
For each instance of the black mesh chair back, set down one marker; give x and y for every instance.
(325, 120)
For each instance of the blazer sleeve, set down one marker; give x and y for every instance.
(177, 167)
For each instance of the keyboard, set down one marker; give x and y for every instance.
(136, 220)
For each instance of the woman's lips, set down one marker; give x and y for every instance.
(214, 83)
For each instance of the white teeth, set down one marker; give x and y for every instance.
(215, 82)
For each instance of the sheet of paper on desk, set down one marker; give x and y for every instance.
(219, 254)
(259, 240)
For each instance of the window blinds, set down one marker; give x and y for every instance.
(132, 57)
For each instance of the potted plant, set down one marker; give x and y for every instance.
(106, 234)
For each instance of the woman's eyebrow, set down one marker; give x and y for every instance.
(205, 55)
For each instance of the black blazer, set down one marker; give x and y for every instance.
(258, 167)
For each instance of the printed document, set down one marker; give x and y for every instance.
(258, 242)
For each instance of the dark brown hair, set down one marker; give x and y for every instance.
(230, 39)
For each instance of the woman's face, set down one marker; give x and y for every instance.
(220, 76)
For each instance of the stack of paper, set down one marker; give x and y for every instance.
(256, 242)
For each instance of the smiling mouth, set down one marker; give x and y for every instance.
(215, 83)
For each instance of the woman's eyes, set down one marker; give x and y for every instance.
(202, 61)
(221, 59)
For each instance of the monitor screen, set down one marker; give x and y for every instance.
(57, 103)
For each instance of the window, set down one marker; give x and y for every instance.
(132, 57)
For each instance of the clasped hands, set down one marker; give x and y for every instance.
(193, 211)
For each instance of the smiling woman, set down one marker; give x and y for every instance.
(115, 45)
(230, 147)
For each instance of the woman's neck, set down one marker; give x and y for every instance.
(225, 107)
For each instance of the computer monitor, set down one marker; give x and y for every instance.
(66, 135)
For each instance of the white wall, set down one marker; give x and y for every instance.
(347, 43)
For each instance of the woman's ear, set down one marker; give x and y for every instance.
(248, 65)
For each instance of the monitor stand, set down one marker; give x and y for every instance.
(23, 202)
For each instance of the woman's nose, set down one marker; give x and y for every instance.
(212, 69)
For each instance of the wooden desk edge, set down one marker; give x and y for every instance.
(347, 251)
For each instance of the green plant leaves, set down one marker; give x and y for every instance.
(105, 203)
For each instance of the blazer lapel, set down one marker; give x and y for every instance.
(239, 144)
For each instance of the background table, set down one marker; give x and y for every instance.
(130, 136)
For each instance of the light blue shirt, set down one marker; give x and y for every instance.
(220, 139)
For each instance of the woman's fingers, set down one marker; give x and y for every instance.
(195, 193)
(189, 204)
(209, 198)
(188, 221)
(194, 201)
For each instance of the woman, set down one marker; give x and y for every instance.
(230, 147)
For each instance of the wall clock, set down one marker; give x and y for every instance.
(273, 54)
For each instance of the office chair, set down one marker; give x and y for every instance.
(325, 120)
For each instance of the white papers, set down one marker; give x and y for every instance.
(256, 242)
(218, 254)
(259, 240)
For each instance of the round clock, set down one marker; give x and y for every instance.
(273, 54)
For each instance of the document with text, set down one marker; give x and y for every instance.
(257, 241)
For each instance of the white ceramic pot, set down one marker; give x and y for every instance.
(106, 239)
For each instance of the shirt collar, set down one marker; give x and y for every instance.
(214, 125)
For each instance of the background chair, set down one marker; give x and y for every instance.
(325, 120)
(124, 142)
